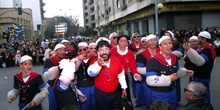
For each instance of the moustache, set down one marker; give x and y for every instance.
(104, 55)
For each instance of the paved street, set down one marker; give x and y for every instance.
(6, 85)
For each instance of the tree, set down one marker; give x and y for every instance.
(72, 25)
(50, 28)
(88, 32)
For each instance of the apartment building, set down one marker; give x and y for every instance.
(37, 14)
(127, 16)
(9, 16)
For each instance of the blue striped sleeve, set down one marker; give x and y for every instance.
(45, 70)
(151, 73)
(178, 67)
(42, 85)
(205, 57)
(15, 87)
(140, 64)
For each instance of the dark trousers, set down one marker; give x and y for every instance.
(128, 89)
(108, 101)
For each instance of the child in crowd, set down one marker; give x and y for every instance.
(17, 57)
(29, 86)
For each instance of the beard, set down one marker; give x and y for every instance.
(105, 56)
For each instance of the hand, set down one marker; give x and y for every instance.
(100, 60)
(10, 99)
(186, 46)
(82, 98)
(124, 93)
(32, 104)
(137, 77)
(81, 57)
(173, 77)
(190, 73)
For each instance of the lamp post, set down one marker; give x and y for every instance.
(157, 6)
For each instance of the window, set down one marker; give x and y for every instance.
(118, 4)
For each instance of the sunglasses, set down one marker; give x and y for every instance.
(92, 48)
(114, 37)
(187, 90)
(135, 36)
(80, 50)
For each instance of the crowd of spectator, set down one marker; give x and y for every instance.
(35, 48)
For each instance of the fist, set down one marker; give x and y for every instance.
(189, 73)
(173, 77)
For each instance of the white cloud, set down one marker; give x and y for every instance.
(64, 7)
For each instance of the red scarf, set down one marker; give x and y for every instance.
(54, 60)
(211, 48)
(133, 45)
(147, 54)
(159, 57)
(32, 76)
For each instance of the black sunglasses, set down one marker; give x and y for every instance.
(92, 48)
(135, 36)
(114, 37)
(80, 50)
(187, 90)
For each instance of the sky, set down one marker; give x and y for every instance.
(64, 7)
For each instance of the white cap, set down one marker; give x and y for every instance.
(92, 43)
(205, 34)
(100, 39)
(143, 39)
(134, 35)
(171, 33)
(58, 46)
(149, 37)
(64, 41)
(18, 51)
(193, 38)
(83, 44)
(25, 58)
(174, 38)
(110, 36)
(162, 39)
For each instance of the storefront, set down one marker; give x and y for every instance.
(178, 16)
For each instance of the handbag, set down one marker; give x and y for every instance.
(126, 104)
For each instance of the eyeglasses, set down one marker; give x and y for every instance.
(187, 90)
(136, 36)
(80, 50)
(92, 48)
(114, 37)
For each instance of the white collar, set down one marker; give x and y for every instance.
(108, 64)
(86, 60)
(122, 52)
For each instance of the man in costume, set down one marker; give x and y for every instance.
(108, 73)
(203, 60)
(162, 72)
(142, 60)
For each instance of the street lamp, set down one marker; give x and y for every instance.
(157, 6)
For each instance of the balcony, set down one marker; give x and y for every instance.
(85, 7)
(92, 12)
(84, 1)
(42, 4)
(124, 7)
